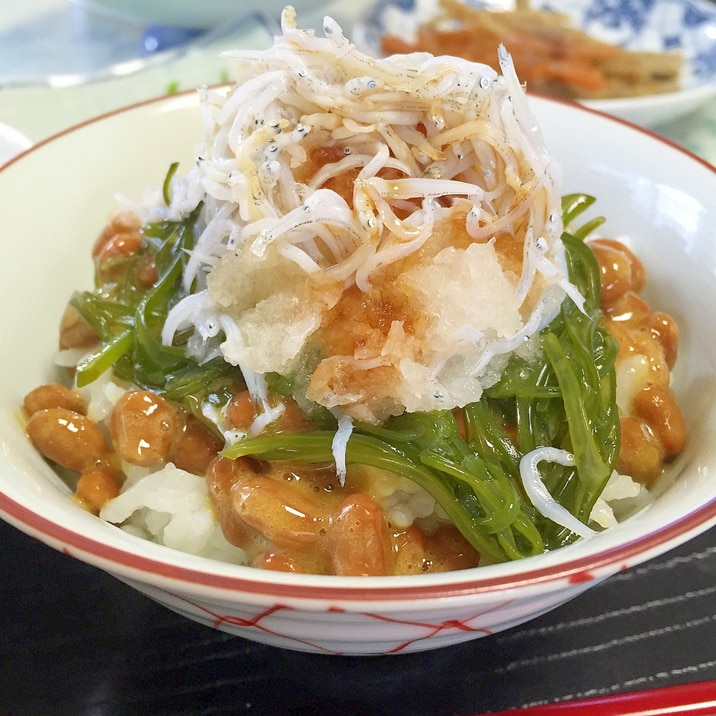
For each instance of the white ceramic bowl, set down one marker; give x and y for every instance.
(686, 25)
(57, 197)
(12, 143)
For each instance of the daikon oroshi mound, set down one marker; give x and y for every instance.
(383, 232)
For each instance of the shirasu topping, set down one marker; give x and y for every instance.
(383, 232)
(539, 495)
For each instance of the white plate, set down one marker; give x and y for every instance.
(688, 25)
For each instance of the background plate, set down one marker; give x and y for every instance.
(688, 25)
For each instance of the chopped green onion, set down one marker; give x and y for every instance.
(166, 186)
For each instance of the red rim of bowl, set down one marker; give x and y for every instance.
(576, 570)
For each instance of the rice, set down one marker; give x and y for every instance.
(171, 507)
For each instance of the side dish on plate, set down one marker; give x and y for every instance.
(551, 55)
(648, 63)
(365, 334)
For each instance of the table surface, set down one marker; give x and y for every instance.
(76, 641)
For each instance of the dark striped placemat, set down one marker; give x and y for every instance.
(75, 641)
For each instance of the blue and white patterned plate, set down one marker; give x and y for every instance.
(688, 25)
